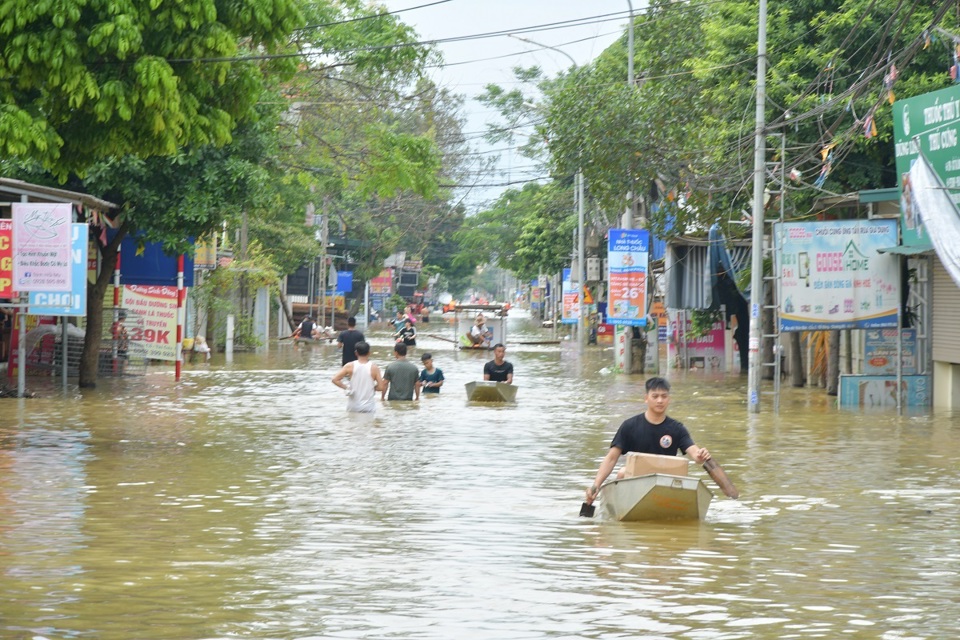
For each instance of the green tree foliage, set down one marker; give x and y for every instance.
(196, 169)
(527, 231)
(84, 80)
(687, 125)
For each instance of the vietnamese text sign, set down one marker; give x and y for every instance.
(627, 254)
(154, 309)
(6, 258)
(571, 300)
(832, 276)
(687, 352)
(73, 302)
(41, 246)
(929, 123)
(880, 352)
(880, 392)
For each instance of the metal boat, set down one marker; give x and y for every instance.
(655, 496)
(487, 391)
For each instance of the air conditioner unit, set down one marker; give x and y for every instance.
(593, 269)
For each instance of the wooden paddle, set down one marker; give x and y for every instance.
(720, 477)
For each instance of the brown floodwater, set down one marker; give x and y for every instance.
(244, 502)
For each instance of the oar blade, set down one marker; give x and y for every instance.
(720, 477)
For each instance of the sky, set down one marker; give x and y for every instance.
(469, 68)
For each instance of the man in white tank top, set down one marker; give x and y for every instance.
(363, 381)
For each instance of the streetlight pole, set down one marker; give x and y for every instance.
(581, 274)
(756, 276)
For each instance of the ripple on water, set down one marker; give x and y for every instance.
(245, 502)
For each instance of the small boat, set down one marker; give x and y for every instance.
(313, 341)
(487, 391)
(655, 496)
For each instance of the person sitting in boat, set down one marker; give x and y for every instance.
(498, 369)
(652, 431)
(407, 334)
(306, 329)
(479, 334)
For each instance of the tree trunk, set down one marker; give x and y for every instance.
(833, 363)
(797, 372)
(90, 356)
(285, 305)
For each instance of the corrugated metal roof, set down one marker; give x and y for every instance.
(12, 190)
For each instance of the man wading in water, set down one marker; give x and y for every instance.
(364, 381)
(652, 431)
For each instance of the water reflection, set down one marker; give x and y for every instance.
(245, 502)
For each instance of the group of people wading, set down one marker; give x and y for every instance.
(362, 379)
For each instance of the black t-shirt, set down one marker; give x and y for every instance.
(349, 340)
(306, 329)
(497, 372)
(638, 434)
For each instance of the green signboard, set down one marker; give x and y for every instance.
(929, 123)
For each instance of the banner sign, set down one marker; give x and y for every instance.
(6, 258)
(929, 123)
(73, 302)
(833, 277)
(571, 300)
(344, 281)
(686, 352)
(880, 392)
(383, 283)
(154, 308)
(205, 253)
(41, 246)
(880, 352)
(627, 255)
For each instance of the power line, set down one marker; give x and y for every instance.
(370, 17)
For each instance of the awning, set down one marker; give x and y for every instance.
(908, 249)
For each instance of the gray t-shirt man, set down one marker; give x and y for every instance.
(401, 376)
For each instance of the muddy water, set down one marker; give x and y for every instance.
(245, 503)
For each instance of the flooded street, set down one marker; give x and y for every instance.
(245, 502)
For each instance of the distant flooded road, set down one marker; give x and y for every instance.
(244, 502)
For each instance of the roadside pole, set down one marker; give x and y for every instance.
(756, 275)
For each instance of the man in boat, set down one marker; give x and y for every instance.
(401, 377)
(306, 329)
(348, 341)
(479, 334)
(652, 431)
(364, 380)
(498, 369)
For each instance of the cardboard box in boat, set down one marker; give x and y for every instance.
(641, 464)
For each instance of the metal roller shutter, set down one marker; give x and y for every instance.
(946, 316)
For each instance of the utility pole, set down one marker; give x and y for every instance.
(628, 213)
(581, 267)
(756, 275)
